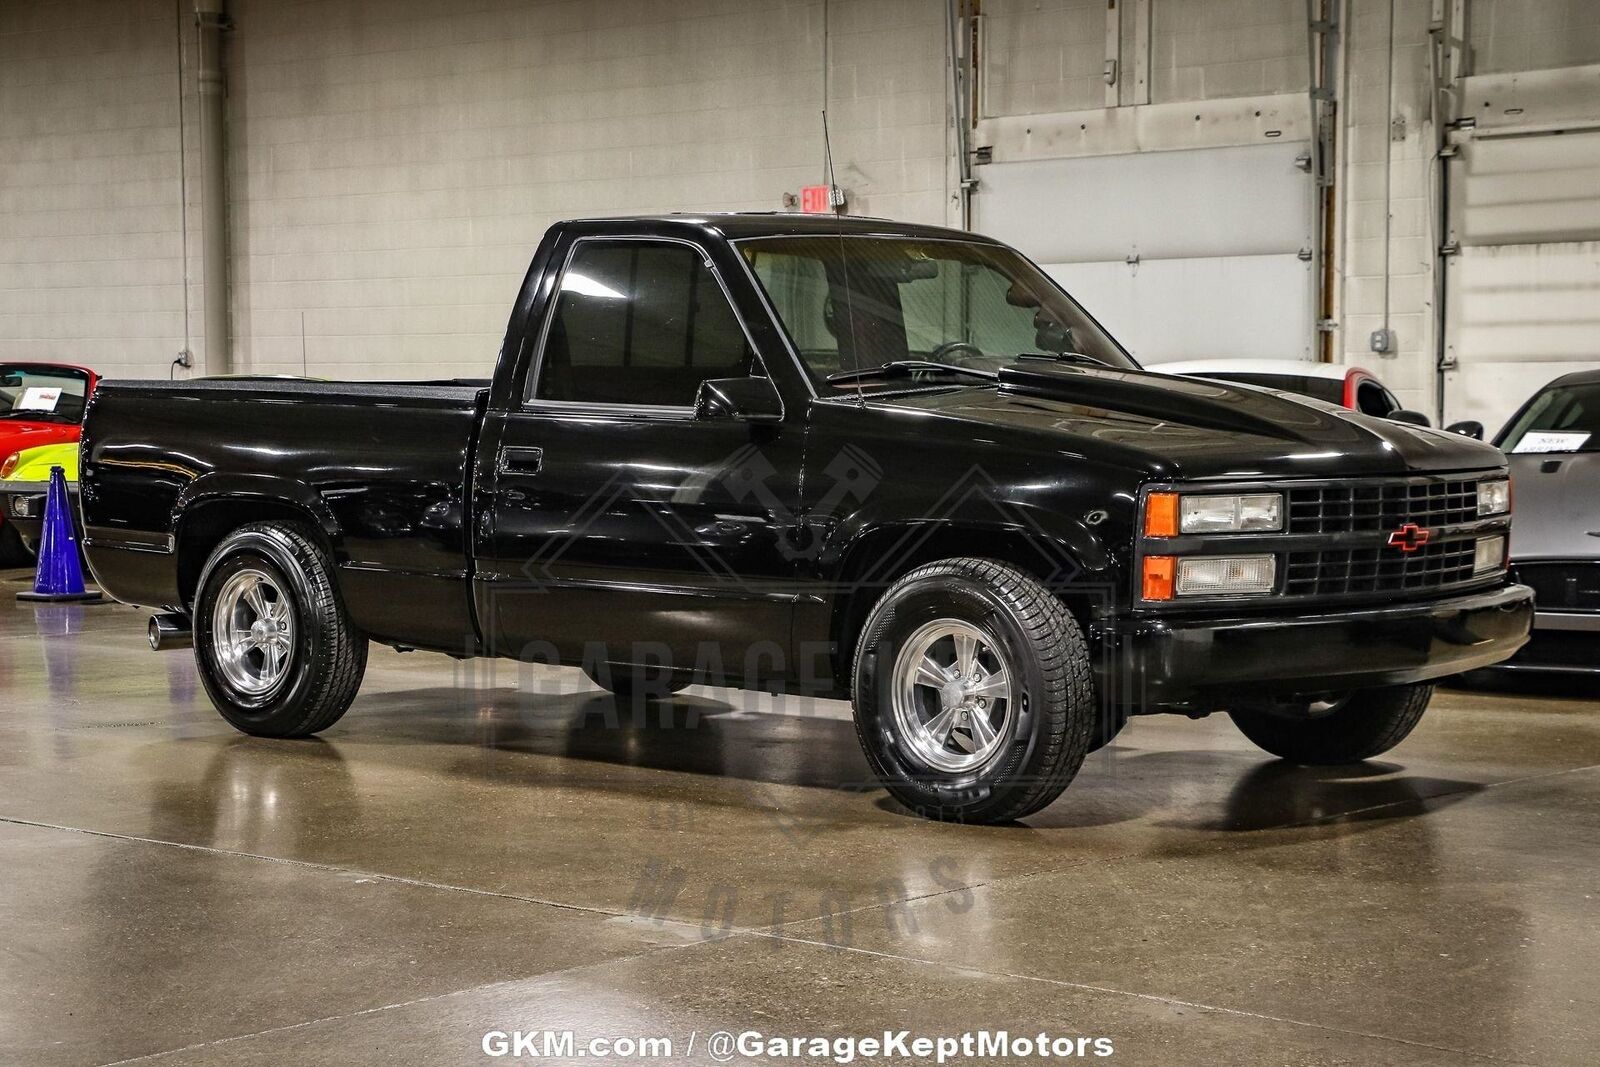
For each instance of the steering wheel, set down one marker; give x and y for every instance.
(959, 353)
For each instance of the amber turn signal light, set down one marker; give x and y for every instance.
(1161, 515)
(1158, 579)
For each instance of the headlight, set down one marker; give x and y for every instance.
(1494, 498)
(1490, 555)
(1169, 514)
(1166, 577)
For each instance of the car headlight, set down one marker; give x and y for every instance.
(1490, 555)
(1171, 514)
(1494, 498)
(1167, 577)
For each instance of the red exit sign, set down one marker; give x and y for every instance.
(816, 199)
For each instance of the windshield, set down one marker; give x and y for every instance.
(852, 304)
(42, 394)
(1563, 419)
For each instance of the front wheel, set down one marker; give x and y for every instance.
(1351, 728)
(973, 695)
(277, 652)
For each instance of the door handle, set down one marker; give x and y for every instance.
(520, 460)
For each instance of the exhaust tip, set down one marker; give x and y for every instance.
(168, 631)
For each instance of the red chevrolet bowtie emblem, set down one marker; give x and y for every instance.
(1409, 537)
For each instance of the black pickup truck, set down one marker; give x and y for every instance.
(842, 456)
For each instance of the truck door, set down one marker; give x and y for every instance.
(617, 516)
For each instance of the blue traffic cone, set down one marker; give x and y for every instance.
(59, 577)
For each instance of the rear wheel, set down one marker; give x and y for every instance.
(277, 652)
(1346, 729)
(973, 695)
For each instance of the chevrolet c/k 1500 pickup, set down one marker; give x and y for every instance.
(844, 456)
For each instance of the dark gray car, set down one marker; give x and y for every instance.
(1553, 444)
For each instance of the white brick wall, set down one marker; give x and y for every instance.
(1512, 35)
(1208, 49)
(394, 164)
(1380, 176)
(391, 176)
(1043, 55)
(90, 253)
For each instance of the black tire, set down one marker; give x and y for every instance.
(1368, 723)
(628, 681)
(1044, 737)
(327, 657)
(13, 551)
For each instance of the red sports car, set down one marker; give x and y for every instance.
(40, 404)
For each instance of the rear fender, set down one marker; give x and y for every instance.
(214, 505)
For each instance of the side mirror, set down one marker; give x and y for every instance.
(1414, 418)
(1470, 428)
(746, 399)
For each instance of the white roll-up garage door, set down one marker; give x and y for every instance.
(1522, 298)
(1191, 254)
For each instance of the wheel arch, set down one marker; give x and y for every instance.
(1075, 568)
(215, 508)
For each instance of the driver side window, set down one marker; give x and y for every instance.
(639, 322)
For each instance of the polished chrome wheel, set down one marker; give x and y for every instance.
(952, 695)
(252, 630)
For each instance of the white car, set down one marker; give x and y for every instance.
(1332, 383)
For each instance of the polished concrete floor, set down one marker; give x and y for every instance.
(461, 855)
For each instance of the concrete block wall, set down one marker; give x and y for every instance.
(1512, 35)
(1043, 55)
(393, 165)
(393, 173)
(1386, 196)
(1209, 49)
(91, 255)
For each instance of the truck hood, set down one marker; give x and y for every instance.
(1181, 428)
(1556, 505)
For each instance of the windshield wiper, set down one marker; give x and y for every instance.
(905, 368)
(1070, 357)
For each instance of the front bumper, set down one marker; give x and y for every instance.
(1179, 662)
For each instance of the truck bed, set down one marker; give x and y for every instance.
(382, 468)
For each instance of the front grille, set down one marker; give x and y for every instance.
(1380, 569)
(1382, 506)
(1571, 586)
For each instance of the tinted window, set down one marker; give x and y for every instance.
(639, 322)
(853, 303)
(1563, 419)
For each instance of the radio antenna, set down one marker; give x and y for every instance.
(844, 256)
(834, 202)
